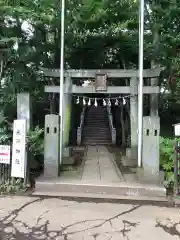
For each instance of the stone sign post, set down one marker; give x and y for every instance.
(51, 146)
(24, 113)
(24, 108)
(150, 161)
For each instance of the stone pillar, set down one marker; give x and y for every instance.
(24, 112)
(67, 117)
(133, 118)
(67, 109)
(154, 100)
(24, 108)
(150, 158)
(51, 146)
(67, 159)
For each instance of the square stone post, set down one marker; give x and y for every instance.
(24, 112)
(150, 158)
(51, 146)
(133, 118)
(154, 100)
(24, 108)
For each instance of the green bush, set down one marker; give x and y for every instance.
(166, 160)
(12, 185)
(35, 141)
(6, 130)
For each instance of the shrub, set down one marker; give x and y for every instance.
(35, 141)
(166, 160)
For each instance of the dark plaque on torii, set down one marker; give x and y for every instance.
(101, 83)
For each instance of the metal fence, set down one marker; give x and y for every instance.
(9, 183)
(5, 172)
(5, 169)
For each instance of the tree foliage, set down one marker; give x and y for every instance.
(98, 34)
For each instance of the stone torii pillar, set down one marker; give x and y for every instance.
(113, 73)
(133, 117)
(132, 152)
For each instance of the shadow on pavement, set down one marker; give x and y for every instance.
(11, 228)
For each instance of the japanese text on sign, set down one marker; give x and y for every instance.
(101, 83)
(19, 149)
(5, 154)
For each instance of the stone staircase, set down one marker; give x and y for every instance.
(96, 127)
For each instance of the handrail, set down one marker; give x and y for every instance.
(80, 128)
(111, 125)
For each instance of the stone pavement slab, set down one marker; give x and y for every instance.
(99, 165)
(23, 218)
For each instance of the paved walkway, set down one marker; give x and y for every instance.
(25, 218)
(100, 166)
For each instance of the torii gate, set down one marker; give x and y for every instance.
(132, 89)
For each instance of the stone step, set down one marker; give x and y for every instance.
(103, 117)
(96, 121)
(97, 115)
(96, 133)
(89, 114)
(100, 127)
(102, 114)
(98, 110)
(96, 126)
(94, 136)
(96, 130)
(120, 189)
(93, 197)
(92, 140)
(95, 144)
(96, 141)
(128, 162)
(104, 137)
